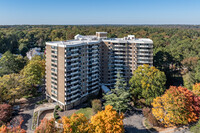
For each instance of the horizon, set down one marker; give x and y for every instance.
(88, 12)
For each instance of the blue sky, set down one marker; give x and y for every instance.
(99, 12)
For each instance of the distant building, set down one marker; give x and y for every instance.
(32, 52)
(75, 68)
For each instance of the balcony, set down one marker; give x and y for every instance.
(74, 87)
(139, 53)
(74, 68)
(119, 68)
(72, 92)
(146, 58)
(73, 59)
(73, 73)
(74, 100)
(74, 82)
(95, 46)
(119, 57)
(75, 77)
(73, 50)
(145, 50)
(95, 55)
(75, 95)
(119, 49)
(118, 60)
(76, 63)
(145, 46)
(119, 53)
(119, 64)
(145, 62)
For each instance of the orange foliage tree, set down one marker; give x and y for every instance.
(176, 107)
(6, 129)
(46, 126)
(108, 121)
(77, 123)
(196, 89)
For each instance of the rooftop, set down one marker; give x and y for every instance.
(93, 39)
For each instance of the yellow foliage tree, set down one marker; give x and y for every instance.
(77, 123)
(196, 89)
(108, 121)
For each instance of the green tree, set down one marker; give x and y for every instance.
(147, 83)
(119, 97)
(34, 72)
(11, 87)
(10, 63)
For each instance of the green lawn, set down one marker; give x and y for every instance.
(88, 112)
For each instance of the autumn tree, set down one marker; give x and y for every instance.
(147, 83)
(96, 105)
(11, 87)
(34, 71)
(119, 97)
(176, 107)
(47, 126)
(10, 129)
(77, 123)
(108, 121)
(196, 89)
(6, 112)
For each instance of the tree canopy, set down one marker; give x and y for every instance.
(147, 83)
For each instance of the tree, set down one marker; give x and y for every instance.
(77, 123)
(119, 97)
(189, 80)
(6, 112)
(196, 89)
(11, 87)
(47, 126)
(9, 129)
(96, 105)
(148, 83)
(176, 107)
(10, 63)
(34, 71)
(108, 121)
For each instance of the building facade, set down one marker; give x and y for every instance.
(76, 68)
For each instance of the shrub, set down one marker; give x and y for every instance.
(60, 109)
(196, 89)
(196, 128)
(47, 126)
(96, 105)
(146, 111)
(5, 112)
(57, 107)
(178, 106)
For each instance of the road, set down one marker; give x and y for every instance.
(27, 113)
(133, 122)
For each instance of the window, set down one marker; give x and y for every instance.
(53, 47)
(54, 52)
(54, 61)
(53, 56)
(53, 65)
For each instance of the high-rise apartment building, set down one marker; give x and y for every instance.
(75, 68)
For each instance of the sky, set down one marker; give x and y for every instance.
(63, 12)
